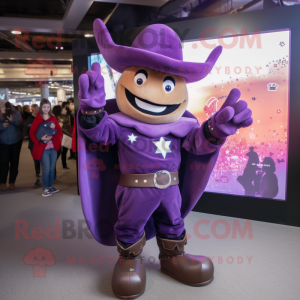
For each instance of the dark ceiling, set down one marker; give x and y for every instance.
(97, 10)
(39, 9)
(124, 16)
(50, 9)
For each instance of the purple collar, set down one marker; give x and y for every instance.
(179, 128)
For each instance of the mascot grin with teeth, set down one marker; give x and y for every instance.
(147, 184)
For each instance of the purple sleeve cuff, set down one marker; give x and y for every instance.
(196, 142)
(91, 111)
(106, 132)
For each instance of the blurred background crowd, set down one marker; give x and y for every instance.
(15, 125)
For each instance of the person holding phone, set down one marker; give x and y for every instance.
(46, 152)
(10, 144)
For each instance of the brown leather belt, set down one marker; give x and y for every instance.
(161, 179)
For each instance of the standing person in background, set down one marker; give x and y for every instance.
(10, 144)
(26, 111)
(46, 152)
(64, 118)
(19, 109)
(74, 140)
(57, 112)
(70, 112)
(26, 129)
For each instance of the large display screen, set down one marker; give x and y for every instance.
(253, 162)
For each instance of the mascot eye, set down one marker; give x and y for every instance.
(169, 84)
(140, 77)
(43, 258)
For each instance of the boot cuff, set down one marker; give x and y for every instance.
(133, 250)
(169, 247)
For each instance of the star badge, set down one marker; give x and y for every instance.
(132, 138)
(163, 147)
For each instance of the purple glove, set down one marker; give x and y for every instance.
(231, 116)
(91, 92)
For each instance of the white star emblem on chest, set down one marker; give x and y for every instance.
(163, 147)
(132, 138)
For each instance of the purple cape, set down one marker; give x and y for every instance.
(98, 182)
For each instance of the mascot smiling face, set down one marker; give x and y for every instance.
(151, 96)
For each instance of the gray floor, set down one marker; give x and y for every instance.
(265, 266)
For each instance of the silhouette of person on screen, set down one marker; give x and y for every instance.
(269, 181)
(249, 178)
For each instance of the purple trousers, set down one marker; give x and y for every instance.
(136, 205)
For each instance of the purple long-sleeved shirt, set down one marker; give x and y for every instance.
(147, 148)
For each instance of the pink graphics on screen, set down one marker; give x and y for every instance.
(211, 106)
(254, 161)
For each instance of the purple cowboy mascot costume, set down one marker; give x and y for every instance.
(140, 184)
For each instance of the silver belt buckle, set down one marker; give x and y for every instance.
(159, 186)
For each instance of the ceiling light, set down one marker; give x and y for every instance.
(16, 32)
(88, 35)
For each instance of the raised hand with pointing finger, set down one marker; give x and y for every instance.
(232, 115)
(91, 92)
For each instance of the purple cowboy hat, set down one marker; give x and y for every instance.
(157, 47)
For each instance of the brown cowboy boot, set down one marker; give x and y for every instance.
(129, 277)
(188, 269)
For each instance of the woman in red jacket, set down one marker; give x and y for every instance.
(46, 152)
